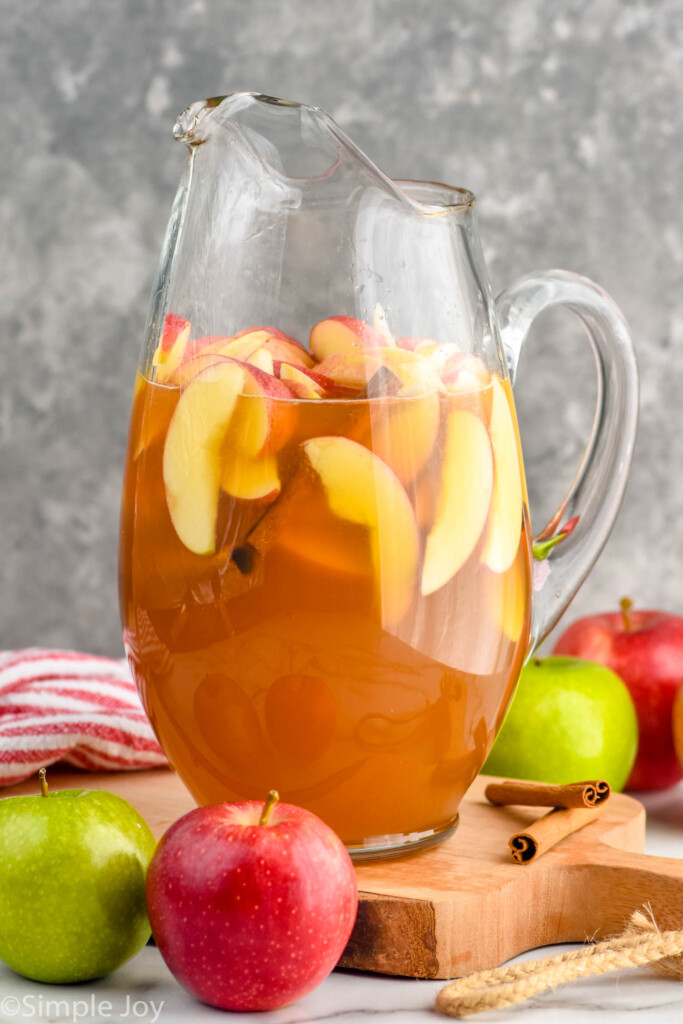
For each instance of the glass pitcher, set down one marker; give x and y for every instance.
(326, 559)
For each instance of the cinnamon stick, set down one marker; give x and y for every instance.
(550, 829)
(541, 794)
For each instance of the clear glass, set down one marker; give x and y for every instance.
(326, 559)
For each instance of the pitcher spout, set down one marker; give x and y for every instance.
(186, 126)
(296, 141)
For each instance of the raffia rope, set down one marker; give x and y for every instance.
(641, 944)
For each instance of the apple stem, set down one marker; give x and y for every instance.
(271, 800)
(43, 782)
(626, 604)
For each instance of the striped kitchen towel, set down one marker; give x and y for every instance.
(72, 707)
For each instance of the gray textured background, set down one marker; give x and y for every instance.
(565, 119)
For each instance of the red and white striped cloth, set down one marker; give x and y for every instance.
(67, 706)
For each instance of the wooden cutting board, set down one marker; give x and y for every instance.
(465, 905)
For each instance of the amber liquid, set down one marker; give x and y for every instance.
(279, 661)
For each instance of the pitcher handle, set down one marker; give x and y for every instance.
(593, 500)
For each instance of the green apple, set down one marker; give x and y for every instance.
(569, 720)
(72, 884)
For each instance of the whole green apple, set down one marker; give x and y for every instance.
(569, 720)
(72, 884)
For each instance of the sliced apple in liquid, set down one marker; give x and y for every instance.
(264, 416)
(299, 382)
(187, 372)
(192, 453)
(505, 522)
(509, 595)
(288, 351)
(250, 479)
(416, 375)
(299, 524)
(507, 386)
(362, 489)
(283, 347)
(153, 406)
(464, 499)
(237, 348)
(262, 359)
(353, 368)
(172, 346)
(342, 335)
(402, 432)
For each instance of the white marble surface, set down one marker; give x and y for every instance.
(143, 990)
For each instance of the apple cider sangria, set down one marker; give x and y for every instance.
(325, 570)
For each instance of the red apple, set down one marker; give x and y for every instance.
(645, 648)
(251, 904)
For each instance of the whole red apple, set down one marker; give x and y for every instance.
(251, 904)
(645, 648)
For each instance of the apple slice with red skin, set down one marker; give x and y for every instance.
(246, 350)
(299, 383)
(505, 521)
(464, 501)
(288, 351)
(175, 328)
(281, 346)
(172, 346)
(251, 905)
(329, 388)
(262, 359)
(339, 335)
(274, 332)
(198, 345)
(353, 369)
(187, 371)
(192, 453)
(362, 489)
(236, 348)
(228, 417)
(264, 415)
